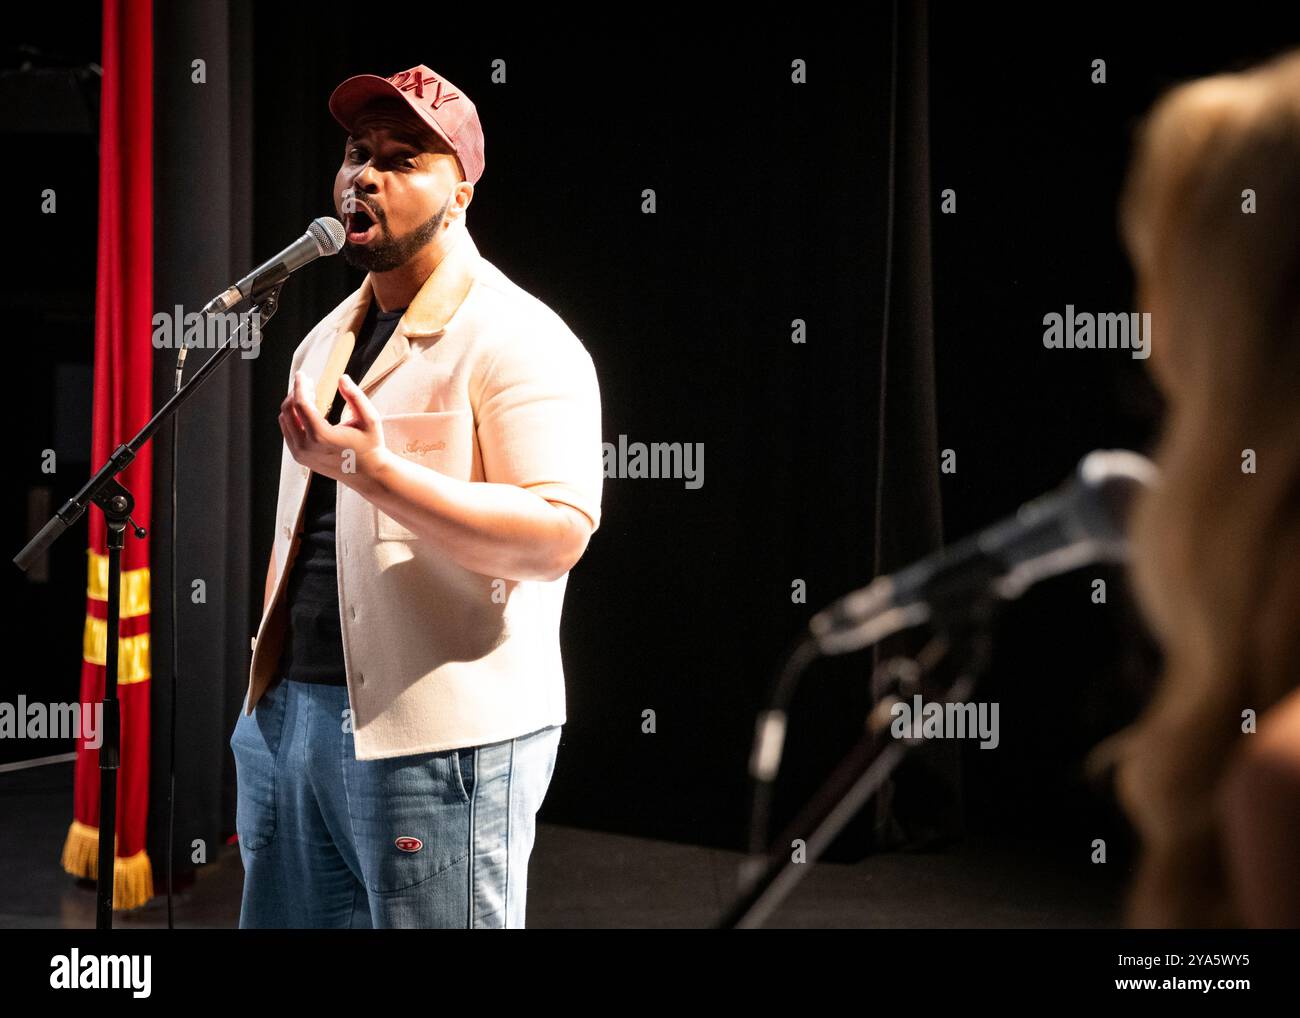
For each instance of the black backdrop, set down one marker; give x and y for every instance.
(773, 205)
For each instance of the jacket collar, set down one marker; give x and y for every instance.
(441, 294)
(432, 307)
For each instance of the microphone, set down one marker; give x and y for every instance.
(1082, 521)
(323, 237)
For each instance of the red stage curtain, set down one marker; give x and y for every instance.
(123, 403)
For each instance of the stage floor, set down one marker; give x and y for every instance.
(592, 879)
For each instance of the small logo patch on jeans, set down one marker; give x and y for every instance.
(409, 844)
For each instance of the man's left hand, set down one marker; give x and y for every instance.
(349, 451)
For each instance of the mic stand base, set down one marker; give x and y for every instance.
(769, 879)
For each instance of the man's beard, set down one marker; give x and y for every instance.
(386, 253)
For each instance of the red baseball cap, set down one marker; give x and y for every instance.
(439, 103)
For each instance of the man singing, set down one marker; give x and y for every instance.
(441, 474)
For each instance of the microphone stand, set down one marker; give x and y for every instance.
(117, 503)
(767, 879)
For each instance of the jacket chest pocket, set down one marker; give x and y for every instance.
(442, 441)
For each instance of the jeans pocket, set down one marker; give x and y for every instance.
(466, 769)
(255, 743)
(409, 816)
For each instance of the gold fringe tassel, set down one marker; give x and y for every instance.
(132, 877)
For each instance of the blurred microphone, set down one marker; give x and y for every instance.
(323, 237)
(1082, 521)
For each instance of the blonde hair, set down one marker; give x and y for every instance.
(1216, 565)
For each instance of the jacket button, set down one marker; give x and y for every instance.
(285, 530)
(361, 679)
(353, 608)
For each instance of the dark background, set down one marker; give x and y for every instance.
(772, 205)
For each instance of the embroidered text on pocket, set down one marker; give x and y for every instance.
(442, 441)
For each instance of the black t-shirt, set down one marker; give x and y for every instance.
(314, 650)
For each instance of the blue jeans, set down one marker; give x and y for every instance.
(428, 840)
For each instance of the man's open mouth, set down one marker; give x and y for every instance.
(361, 226)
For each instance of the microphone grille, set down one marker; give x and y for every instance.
(328, 234)
(1113, 479)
